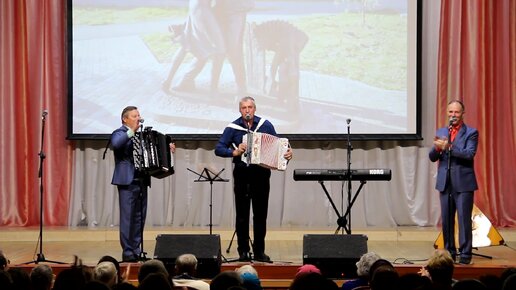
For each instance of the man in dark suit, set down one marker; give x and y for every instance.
(131, 183)
(455, 147)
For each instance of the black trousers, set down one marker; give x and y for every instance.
(251, 186)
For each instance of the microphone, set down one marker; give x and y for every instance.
(348, 121)
(452, 120)
(142, 120)
(247, 117)
(44, 114)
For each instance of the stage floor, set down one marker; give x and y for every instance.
(402, 245)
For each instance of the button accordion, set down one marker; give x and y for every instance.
(266, 150)
(154, 153)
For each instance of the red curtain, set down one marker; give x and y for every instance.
(33, 79)
(477, 64)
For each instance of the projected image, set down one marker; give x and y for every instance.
(310, 65)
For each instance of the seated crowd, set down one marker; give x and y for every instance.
(373, 273)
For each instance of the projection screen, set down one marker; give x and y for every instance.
(315, 68)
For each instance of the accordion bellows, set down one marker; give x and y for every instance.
(267, 151)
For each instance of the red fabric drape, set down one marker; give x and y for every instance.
(33, 79)
(477, 64)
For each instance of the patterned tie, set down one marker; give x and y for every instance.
(137, 151)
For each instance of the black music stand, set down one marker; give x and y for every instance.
(209, 176)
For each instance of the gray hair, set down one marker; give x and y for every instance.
(245, 99)
(105, 272)
(186, 263)
(365, 262)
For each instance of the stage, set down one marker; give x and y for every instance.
(406, 247)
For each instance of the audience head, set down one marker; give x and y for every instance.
(155, 281)
(251, 281)
(469, 284)
(117, 266)
(246, 269)
(186, 263)
(507, 272)
(75, 277)
(413, 281)
(440, 267)
(151, 266)
(383, 275)
(96, 285)
(5, 280)
(509, 283)
(365, 262)
(225, 280)
(4, 262)
(106, 273)
(124, 286)
(306, 269)
(20, 278)
(312, 281)
(42, 277)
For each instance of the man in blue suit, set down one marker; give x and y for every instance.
(455, 147)
(132, 185)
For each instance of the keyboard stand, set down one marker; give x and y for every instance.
(342, 220)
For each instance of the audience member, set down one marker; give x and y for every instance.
(42, 277)
(383, 276)
(312, 281)
(4, 262)
(106, 273)
(186, 269)
(5, 280)
(124, 286)
(439, 269)
(250, 279)
(121, 276)
(509, 283)
(507, 272)
(469, 284)
(306, 269)
(96, 285)
(363, 266)
(492, 282)
(413, 281)
(225, 280)
(155, 281)
(20, 278)
(151, 266)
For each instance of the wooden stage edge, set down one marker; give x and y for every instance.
(407, 247)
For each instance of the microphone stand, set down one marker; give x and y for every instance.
(451, 236)
(349, 149)
(143, 188)
(249, 140)
(40, 256)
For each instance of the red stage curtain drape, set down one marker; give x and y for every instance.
(477, 64)
(33, 79)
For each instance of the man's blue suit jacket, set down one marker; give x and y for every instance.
(123, 150)
(463, 150)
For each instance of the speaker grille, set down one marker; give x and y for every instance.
(334, 255)
(206, 249)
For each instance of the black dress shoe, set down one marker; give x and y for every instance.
(244, 257)
(465, 261)
(262, 257)
(129, 259)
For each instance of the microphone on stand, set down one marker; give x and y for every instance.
(451, 121)
(247, 154)
(44, 114)
(348, 121)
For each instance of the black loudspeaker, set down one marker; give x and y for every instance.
(334, 255)
(206, 249)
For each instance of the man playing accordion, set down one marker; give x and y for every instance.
(251, 181)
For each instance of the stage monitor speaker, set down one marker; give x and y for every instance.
(334, 255)
(206, 249)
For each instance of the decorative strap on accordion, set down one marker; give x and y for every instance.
(267, 150)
